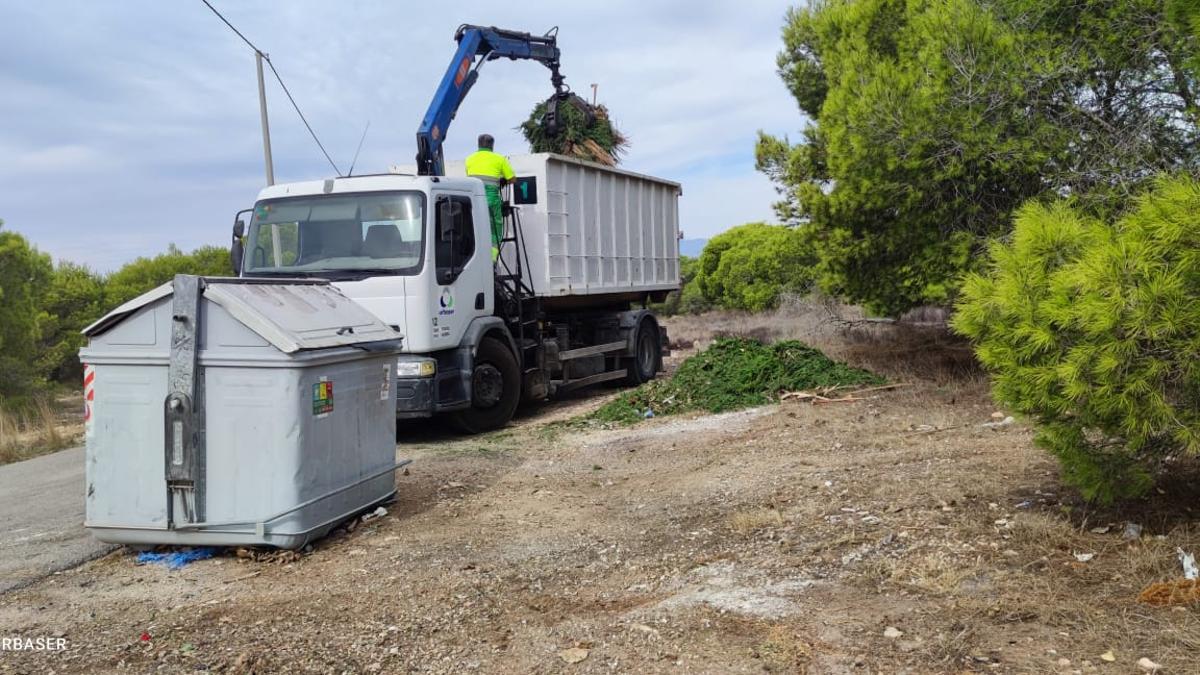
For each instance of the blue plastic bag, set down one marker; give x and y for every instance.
(177, 559)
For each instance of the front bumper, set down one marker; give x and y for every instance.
(414, 397)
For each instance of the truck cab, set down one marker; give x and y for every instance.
(415, 251)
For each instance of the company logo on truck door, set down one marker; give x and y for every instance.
(447, 302)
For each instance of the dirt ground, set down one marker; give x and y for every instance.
(893, 534)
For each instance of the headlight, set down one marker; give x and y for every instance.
(416, 368)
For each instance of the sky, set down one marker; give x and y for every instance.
(125, 127)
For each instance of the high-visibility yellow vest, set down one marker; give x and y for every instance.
(488, 164)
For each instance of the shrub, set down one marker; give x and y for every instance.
(24, 273)
(1093, 330)
(748, 267)
(688, 299)
(44, 306)
(734, 373)
(73, 299)
(144, 274)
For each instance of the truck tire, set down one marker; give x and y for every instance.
(495, 389)
(647, 353)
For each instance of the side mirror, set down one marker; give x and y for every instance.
(237, 249)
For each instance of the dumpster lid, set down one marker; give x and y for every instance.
(123, 310)
(291, 314)
(296, 316)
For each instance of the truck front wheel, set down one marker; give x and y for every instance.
(495, 389)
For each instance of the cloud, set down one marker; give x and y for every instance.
(714, 202)
(126, 126)
(55, 159)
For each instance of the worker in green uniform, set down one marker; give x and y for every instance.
(495, 172)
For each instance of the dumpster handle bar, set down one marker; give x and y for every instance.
(260, 525)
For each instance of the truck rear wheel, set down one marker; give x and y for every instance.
(495, 389)
(647, 353)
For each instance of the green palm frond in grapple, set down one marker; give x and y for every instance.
(599, 141)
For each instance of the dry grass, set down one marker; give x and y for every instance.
(1035, 528)
(935, 572)
(784, 651)
(45, 425)
(10, 439)
(1031, 583)
(919, 345)
(752, 520)
(45, 422)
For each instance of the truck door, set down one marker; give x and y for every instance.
(462, 268)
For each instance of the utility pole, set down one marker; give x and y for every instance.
(266, 128)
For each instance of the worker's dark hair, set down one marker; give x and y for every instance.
(486, 141)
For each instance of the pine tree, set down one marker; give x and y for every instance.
(1093, 330)
(930, 123)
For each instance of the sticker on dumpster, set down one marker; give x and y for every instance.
(385, 389)
(322, 397)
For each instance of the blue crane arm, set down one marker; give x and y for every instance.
(477, 45)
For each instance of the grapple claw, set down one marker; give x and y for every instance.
(550, 117)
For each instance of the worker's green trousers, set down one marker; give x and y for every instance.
(496, 208)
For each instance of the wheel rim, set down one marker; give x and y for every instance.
(645, 355)
(487, 386)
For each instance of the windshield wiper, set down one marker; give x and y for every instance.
(358, 273)
(374, 270)
(268, 273)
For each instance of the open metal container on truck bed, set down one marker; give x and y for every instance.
(591, 230)
(237, 412)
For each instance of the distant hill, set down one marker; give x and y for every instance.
(691, 247)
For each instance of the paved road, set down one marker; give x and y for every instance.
(41, 518)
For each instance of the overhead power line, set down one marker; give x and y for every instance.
(232, 27)
(279, 79)
(302, 119)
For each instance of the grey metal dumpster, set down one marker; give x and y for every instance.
(237, 412)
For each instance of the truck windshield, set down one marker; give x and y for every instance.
(337, 236)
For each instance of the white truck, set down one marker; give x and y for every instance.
(586, 248)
